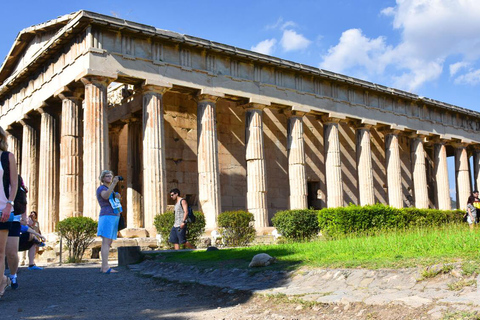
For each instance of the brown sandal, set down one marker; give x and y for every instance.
(4, 285)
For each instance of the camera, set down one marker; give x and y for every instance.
(120, 178)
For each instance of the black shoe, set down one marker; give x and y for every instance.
(14, 284)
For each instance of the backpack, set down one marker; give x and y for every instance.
(20, 202)
(190, 217)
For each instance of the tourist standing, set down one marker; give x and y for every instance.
(110, 210)
(6, 207)
(178, 234)
(471, 210)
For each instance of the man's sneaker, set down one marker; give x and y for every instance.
(14, 284)
(34, 267)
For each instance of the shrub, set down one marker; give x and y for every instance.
(79, 232)
(298, 225)
(357, 219)
(236, 227)
(164, 222)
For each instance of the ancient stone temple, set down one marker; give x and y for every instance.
(232, 129)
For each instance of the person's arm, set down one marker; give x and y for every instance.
(13, 188)
(106, 193)
(30, 230)
(23, 219)
(185, 212)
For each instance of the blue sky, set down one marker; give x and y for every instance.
(428, 47)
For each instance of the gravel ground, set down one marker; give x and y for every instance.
(82, 292)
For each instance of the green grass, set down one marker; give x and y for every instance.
(392, 249)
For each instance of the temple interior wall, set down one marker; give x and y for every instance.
(379, 166)
(349, 163)
(404, 144)
(313, 133)
(231, 155)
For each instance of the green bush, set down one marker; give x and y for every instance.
(236, 227)
(164, 223)
(79, 232)
(298, 225)
(334, 222)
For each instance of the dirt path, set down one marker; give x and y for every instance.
(82, 292)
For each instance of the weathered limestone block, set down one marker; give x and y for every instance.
(134, 233)
(256, 171)
(208, 171)
(296, 163)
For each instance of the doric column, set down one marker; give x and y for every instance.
(256, 171)
(462, 175)
(14, 146)
(333, 163)
(154, 164)
(30, 164)
(135, 217)
(71, 199)
(476, 166)
(394, 172)
(114, 147)
(95, 141)
(364, 166)
(296, 162)
(419, 173)
(207, 155)
(48, 214)
(441, 177)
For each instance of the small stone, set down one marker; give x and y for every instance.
(299, 307)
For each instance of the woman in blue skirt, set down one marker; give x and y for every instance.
(110, 210)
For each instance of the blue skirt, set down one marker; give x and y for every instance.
(108, 227)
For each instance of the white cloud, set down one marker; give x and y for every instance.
(455, 67)
(266, 46)
(292, 40)
(431, 31)
(471, 78)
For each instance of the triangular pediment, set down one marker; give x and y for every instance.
(28, 42)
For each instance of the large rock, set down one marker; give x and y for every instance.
(129, 255)
(261, 260)
(134, 233)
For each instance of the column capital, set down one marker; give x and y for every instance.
(254, 106)
(153, 88)
(475, 146)
(96, 80)
(206, 98)
(68, 93)
(459, 145)
(294, 113)
(330, 120)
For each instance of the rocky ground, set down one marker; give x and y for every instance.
(152, 291)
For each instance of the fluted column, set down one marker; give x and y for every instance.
(419, 173)
(296, 163)
(364, 166)
(30, 159)
(441, 177)
(135, 217)
(14, 146)
(207, 155)
(48, 214)
(95, 141)
(476, 166)
(462, 175)
(256, 170)
(394, 172)
(333, 164)
(154, 164)
(71, 199)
